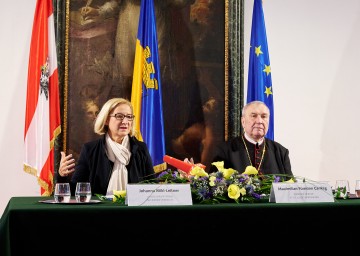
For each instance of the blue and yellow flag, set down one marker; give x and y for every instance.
(259, 79)
(146, 96)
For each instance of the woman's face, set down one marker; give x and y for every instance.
(120, 122)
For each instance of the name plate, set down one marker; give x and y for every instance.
(301, 192)
(158, 194)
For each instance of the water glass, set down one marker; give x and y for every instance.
(357, 188)
(342, 189)
(62, 193)
(83, 192)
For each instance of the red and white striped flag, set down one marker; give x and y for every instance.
(42, 119)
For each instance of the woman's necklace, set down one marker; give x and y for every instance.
(247, 151)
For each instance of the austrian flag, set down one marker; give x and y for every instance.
(42, 118)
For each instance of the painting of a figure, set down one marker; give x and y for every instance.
(102, 36)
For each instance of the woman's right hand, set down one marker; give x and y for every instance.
(67, 164)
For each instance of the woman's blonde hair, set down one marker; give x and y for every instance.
(100, 126)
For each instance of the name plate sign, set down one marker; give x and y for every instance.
(158, 194)
(301, 192)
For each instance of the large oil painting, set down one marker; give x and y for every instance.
(97, 40)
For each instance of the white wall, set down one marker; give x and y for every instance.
(314, 55)
(15, 29)
(314, 51)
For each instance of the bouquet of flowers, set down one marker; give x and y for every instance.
(225, 185)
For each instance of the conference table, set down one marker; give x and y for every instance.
(31, 227)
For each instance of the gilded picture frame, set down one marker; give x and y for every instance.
(201, 59)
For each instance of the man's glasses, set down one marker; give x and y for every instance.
(121, 117)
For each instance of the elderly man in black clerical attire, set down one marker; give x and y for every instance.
(252, 148)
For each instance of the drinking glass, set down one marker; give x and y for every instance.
(62, 193)
(357, 188)
(342, 188)
(83, 192)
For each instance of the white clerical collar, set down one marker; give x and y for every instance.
(253, 141)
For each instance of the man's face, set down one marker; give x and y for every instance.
(256, 121)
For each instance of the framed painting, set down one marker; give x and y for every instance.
(200, 50)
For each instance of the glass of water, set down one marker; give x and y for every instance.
(62, 193)
(83, 192)
(357, 188)
(342, 189)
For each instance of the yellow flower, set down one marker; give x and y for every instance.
(234, 191)
(250, 170)
(243, 191)
(212, 181)
(119, 193)
(228, 172)
(290, 181)
(219, 165)
(198, 172)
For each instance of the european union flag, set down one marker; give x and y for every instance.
(146, 96)
(259, 79)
